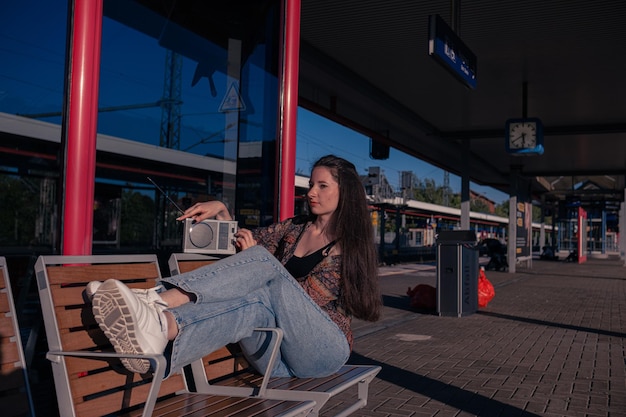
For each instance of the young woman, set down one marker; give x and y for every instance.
(307, 275)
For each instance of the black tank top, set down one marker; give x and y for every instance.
(300, 267)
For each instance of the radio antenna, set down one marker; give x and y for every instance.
(166, 196)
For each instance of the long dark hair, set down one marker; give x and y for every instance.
(352, 228)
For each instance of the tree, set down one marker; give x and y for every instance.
(502, 209)
(137, 226)
(18, 214)
(479, 206)
(536, 213)
(426, 190)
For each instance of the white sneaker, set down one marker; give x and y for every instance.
(145, 294)
(133, 320)
(91, 289)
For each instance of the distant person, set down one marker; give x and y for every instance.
(307, 275)
(496, 250)
(573, 256)
(548, 254)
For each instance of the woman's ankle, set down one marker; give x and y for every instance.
(175, 297)
(172, 326)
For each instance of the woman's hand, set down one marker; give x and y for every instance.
(244, 239)
(207, 210)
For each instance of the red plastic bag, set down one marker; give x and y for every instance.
(423, 297)
(486, 292)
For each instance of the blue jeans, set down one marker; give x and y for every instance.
(247, 290)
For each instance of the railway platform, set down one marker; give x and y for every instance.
(551, 343)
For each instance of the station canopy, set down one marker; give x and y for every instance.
(365, 63)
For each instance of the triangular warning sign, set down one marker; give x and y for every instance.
(232, 100)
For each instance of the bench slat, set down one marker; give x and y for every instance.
(345, 375)
(10, 353)
(78, 366)
(133, 395)
(73, 318)
(112, 379)
(82, 274)
(187, 266)
(191, 405)
(4, 302)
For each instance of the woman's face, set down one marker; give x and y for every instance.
(323, 194)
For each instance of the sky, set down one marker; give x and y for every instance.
(317, 136)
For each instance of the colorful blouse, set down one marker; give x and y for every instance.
(323, 283)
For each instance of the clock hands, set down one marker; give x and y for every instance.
(530, 142)
(524, 136)
(524, 140)
(517, 140)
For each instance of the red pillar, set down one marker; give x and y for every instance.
(289, 109)
(80, 157)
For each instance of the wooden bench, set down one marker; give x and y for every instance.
(15, 396)
(89, 378)
(250, 383)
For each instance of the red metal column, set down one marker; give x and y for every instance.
(80, 158)
(289, 102)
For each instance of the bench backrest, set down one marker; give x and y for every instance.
(179, 263)
(15, 399)
(85, 386)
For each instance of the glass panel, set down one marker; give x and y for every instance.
(32, 35)
(188, 97)
(32, 53)
(198, 80)
(27, 213)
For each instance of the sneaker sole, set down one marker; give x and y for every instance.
(118, 324)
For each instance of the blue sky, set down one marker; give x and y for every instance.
(318, 136)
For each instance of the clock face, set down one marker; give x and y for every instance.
(523, 135)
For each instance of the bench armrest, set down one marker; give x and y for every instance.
(157, 361)
(278, 334)
(202, 385)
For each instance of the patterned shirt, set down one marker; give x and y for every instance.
(323, 282)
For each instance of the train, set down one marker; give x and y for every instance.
(406, 230)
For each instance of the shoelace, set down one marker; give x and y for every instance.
(152, 297)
